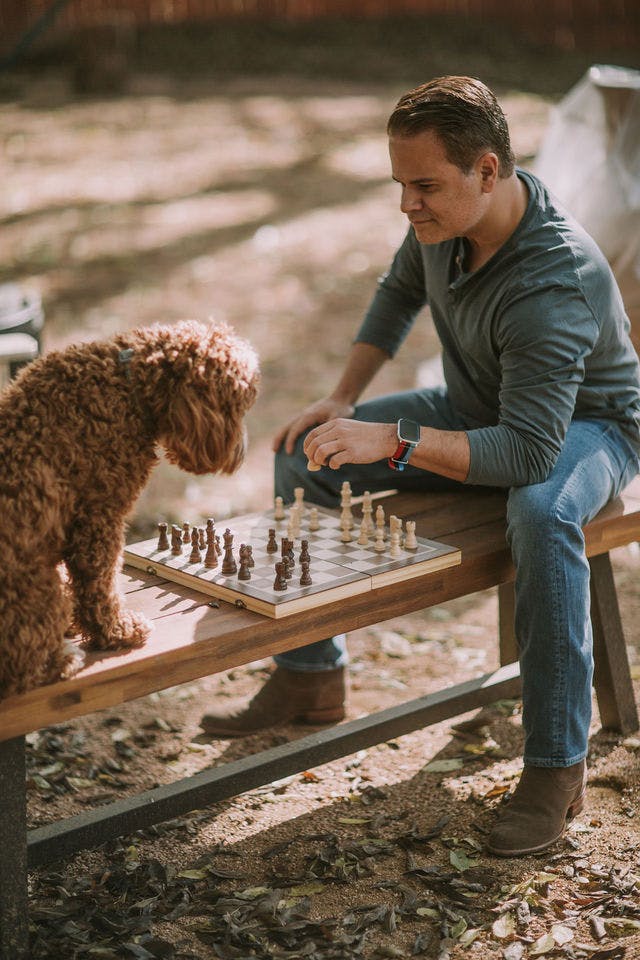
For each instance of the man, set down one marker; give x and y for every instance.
(542, 397)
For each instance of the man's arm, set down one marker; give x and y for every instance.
(351, 441)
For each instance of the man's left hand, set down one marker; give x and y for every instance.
(350, 441)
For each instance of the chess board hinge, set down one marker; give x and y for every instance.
(152, 571)
(240, 604)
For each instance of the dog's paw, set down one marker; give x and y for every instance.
(127, 630)
(71, 660)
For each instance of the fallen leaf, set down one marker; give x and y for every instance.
(444, 766)
(504, 926)
(544, 944)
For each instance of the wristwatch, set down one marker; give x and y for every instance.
(408, 440)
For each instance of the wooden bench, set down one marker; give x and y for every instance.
(193, 638)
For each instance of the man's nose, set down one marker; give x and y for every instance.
(410, 199)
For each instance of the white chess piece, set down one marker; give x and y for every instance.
(411, 542)
(379, 544)
(395, 553)
(314, 523)
(298, 493)
(346, 517)
(278, 509)
(345, 534)
(367, 510)
(363, 539)
(380, 518)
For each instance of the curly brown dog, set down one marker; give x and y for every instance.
(78, 436)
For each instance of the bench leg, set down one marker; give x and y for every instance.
(506, 623)
(612, 677)
(13, 856)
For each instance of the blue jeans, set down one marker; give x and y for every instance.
(544, 532)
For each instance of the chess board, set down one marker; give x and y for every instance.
(337, 569)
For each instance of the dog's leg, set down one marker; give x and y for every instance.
(93, 559)
(33, 649)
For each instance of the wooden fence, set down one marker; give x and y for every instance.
(583, 24)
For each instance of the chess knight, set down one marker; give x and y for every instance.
(78, 435)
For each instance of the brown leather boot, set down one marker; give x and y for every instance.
(287, 696)
(536, 815)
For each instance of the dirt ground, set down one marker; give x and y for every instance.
(262, 197)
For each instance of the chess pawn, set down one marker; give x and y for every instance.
(298, 493)
(163, 539)
(395, 553)
(176, 540)
(363, 539)
(250, 559)
(244, 573)
(314, 523)
(194, 556)
(304, 552)
(202, 543)
(305, 579)
(280, 582)
(380, 518)
(411, 542)
(278, 513)
(288, 566)
(379, 544)
(272, 543)
(211, 557)
(186, 535)
(345, 535)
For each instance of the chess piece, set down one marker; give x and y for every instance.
(395, 553)
(298, 493)
(345, 534)
(363, 539)
(211, 557)
(186, 534)
(163, 539)
(305, 579)
(244, 573)
(194, 556)
(280, 582)
(176, 540)
(304, 552)
(288, 566)
(229, 565)
(346, 517)
(314, 523)
(379, 544)
(380, 518)
(278, 513)
(367, 510)
(312, 466)
(272, 543)
(250, 559)
(202, 543)
(410, 542)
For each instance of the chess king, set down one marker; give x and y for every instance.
(541, 397)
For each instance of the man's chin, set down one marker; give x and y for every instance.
(428, 232)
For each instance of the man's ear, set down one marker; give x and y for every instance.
(488, 167)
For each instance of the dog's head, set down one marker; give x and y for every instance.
(203, 380)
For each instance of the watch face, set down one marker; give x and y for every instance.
(408, 431)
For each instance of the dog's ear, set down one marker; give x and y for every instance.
(201, 437)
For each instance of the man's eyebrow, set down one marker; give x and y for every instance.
(417, 180)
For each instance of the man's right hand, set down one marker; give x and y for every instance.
(326, 409)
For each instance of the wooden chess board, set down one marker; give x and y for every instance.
(337, 569)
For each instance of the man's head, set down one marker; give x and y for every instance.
(465, 116)
(450, 152)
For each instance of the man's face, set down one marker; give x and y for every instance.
(440, 200)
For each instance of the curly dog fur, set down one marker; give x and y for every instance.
(78, 435)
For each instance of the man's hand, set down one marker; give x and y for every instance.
(319, 412)
(350, 441)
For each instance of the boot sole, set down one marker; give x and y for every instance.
(573, 810)
(311, 718)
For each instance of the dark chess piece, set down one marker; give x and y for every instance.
(163, 539)
(211, 557)
(176, 540)
(244, 573)
(186, 535)
(252, 562)
(288, 568)
(194, 556)
(280, 582)
(202, 543)
(305, 579)
(304, 552)
(229, 564)
(272, 543)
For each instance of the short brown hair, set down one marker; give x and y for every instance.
(464, 113)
